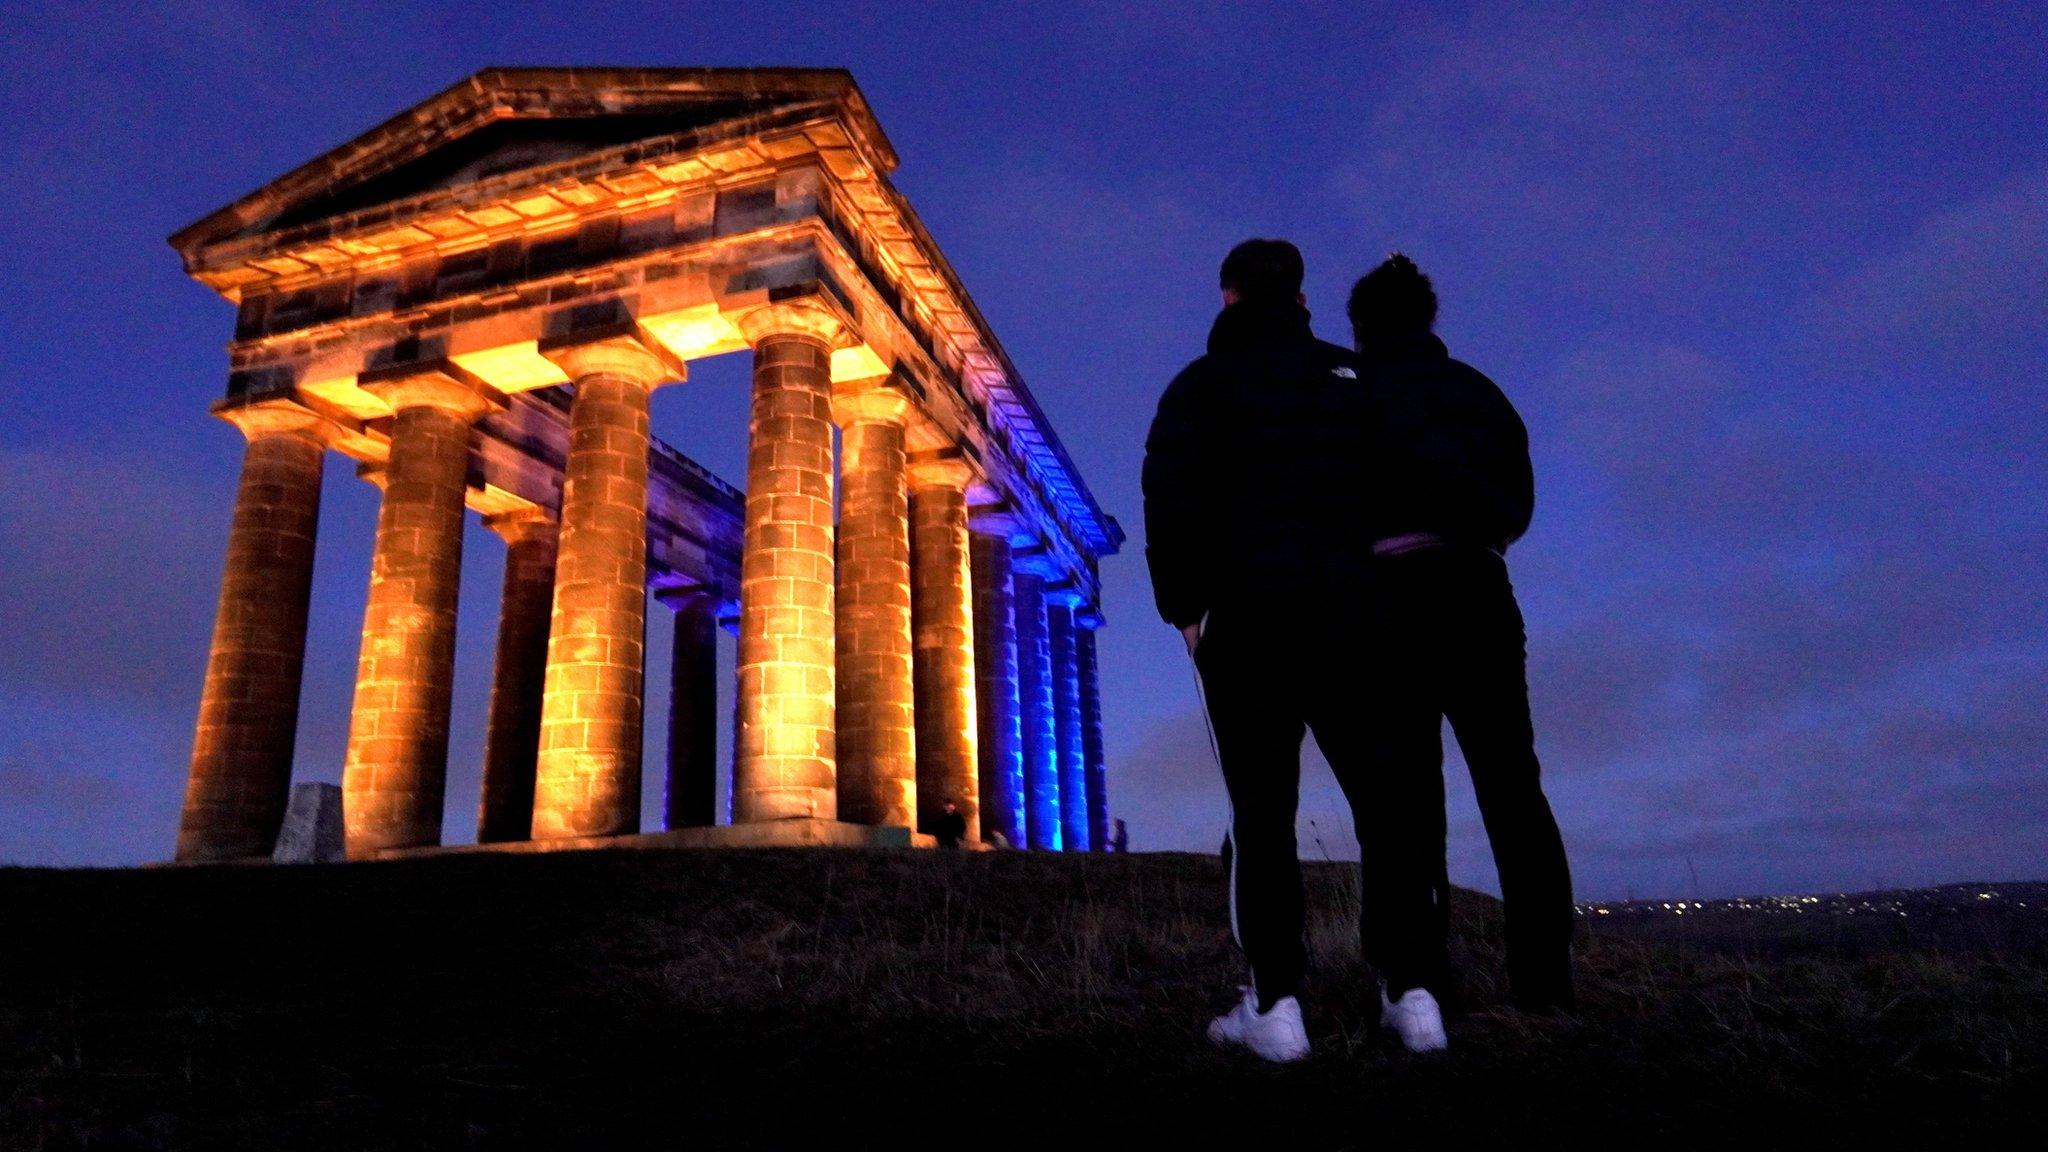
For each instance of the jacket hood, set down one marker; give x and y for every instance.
(1249, 322)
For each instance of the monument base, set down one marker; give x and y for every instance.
(312, 831)
(766, 834)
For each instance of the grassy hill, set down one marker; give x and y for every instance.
(872, 999)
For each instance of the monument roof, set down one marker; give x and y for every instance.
(517, 117)
(518, 151)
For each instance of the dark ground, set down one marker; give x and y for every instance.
(870, 999)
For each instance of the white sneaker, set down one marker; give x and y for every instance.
(1416, 1018)
(1275, 1034)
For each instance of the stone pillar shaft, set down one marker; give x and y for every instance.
(1066, 686)
(995, 672)
(877, 734)
(942, 599)
(241, 765)
(1035, 712)
(732, 749)
(588, 774)
(396, 771)
(512, 732)
(691, 800)
(1091, 739)
(787, 750)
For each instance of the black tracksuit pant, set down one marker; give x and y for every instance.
(1270, 674)
(1448, 642)
(1442, 637)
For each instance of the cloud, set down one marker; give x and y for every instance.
(1826, 642)
(1950, 331)
(1527, 146)
(80, 782)
(111, 556)
(51, 787)
(112, 560)
(1925, 788)
(1968, 288)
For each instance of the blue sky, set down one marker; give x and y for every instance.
(1771, 290)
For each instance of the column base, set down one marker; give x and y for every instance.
(764, 834)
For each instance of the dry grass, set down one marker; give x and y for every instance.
(774, 998)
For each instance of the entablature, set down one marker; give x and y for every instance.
(689, 299)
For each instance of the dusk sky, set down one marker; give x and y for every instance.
(1771, 293)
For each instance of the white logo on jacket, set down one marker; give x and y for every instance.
(1343, 373)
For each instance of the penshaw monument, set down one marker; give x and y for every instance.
(475, 302)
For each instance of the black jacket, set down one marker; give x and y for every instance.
(1450, 456)
(1257, 478)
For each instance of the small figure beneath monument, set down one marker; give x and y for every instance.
(952, 826)
(1120, 840)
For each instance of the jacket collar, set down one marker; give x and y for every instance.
(1426, 346)
(1249, 322)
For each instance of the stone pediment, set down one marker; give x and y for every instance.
(508, 119)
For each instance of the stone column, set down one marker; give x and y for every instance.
(691, 799)
(512, 732)
(1000, 740)
(587, 779)
(1091, 731)
(877, 737)
(397, 766)
(1035, 715)
(1066, 710)
(732, 749)
(241, 767)
(942, 608)
(787, 749)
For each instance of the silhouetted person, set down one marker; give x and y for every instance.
(1256, 489)
(951, 827)
(1454, 488)
(1120, 840)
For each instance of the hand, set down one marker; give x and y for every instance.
(1193, 635)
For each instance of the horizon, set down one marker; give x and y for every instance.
(1772, 297)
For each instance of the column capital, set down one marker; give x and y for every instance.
(877, 400)
(440, 385)
(522, 524)
(806, 318)
(680, 596)
(945, 468)
(619, 351)
(281, 416)
(998, 518)
(1064, 591)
